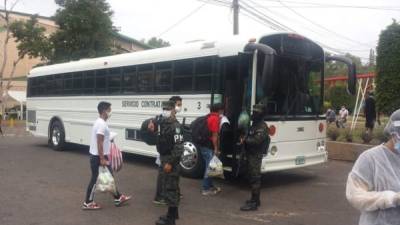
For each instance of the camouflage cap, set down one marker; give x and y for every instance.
(168, 105)
(260, 108)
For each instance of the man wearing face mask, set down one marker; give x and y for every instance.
(256, 144)
(373, 185)
(159, 198)
(99, 150)
(170, 147)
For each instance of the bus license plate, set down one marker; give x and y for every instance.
(300, 160)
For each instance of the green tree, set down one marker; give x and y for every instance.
(388, 69)
(85, 30)
(157, 42)
(338, 96)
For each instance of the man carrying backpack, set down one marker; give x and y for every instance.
(209, 144)
(170, 147)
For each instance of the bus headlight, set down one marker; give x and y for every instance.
(273, 150)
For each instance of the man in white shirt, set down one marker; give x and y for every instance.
(343, 113)
(99, 151)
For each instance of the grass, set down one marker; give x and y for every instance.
(356, 135)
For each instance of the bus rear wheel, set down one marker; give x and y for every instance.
(57, 136)
(192, 164)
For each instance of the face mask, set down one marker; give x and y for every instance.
(396, 143)
(178, 109)
(109, 114)
(166, 114)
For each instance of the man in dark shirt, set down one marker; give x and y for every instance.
(369, 112)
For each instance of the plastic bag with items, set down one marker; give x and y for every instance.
(215, 168)
(105, 180)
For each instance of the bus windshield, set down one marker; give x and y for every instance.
(295, 88)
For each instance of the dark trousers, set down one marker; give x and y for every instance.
(170, 185)
(160, 180)
(254, 170)
(94, 166)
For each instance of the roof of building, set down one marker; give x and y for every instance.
(28, 15)
(132, 40)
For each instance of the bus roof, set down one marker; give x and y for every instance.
(225, 47)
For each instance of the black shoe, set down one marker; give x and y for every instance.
(249, 206)
(257, 202)
(164, 217)
(165, 220)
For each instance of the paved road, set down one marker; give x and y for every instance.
(39, 186)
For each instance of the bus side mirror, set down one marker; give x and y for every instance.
(351, 71)
(268, 73)
(268, 67)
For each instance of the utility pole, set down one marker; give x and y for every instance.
(235, 17)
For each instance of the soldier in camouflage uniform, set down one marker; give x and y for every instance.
(170, 147)
(256, 144)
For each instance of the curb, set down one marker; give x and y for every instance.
(345, 151)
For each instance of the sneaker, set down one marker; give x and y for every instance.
(209, 192)
(121, 200)
(159, 201)
(90, 206)
(216, 189)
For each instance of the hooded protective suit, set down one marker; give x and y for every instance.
(373, 185)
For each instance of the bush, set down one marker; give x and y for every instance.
(388, 69)
(332, 133)
(380, 135)
(348, 135)
(366, 137)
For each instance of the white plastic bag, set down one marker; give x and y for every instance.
(105, 180)
(215, 168)
(158, 160)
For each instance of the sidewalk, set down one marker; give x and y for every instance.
(14, 129)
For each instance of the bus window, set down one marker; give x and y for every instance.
(183, 76)
(59, 84)
(77, 84)
(114, 81)
(68, 83)
(203, 74)
(145, 78)
(163, 77)
(88, 82)
(130, 80)
(101, 81)
(49, 90)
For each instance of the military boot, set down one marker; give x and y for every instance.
(169, 219)
(176, 215)
(250, 205)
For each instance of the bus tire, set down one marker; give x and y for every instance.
(57, 136)
(192, 163)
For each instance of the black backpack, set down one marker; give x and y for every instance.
(200, 132)
(148, 136)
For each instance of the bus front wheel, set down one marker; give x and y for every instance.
(57, 136)
(192, 164)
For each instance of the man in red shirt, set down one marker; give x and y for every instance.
(212, 147)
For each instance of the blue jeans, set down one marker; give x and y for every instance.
(207, 155)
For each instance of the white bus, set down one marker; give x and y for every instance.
(283, 70)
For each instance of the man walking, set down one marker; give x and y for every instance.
(211, 148)
(99, 149)
(343, 113)
(170, 147)
(256, 144)
(159, 198)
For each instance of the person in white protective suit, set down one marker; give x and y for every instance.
(373, 185)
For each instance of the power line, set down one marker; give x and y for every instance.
(320, 26)
(324, 5)
(181, 20)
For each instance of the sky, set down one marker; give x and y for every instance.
(345, 29)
